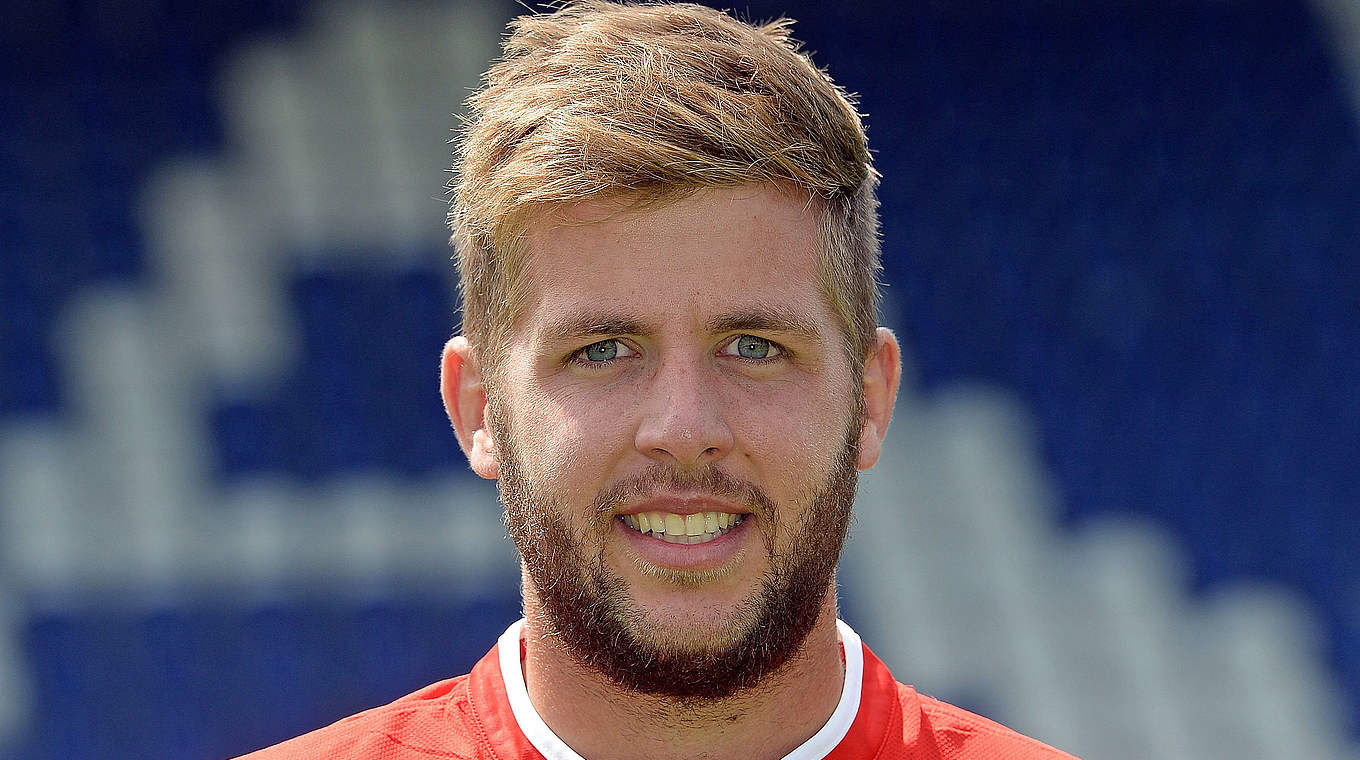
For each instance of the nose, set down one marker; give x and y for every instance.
(684, 421)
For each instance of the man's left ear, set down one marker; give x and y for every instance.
(882, 371)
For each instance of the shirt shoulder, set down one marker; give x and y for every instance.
(957, 734)
(436, 721)
(895, 722)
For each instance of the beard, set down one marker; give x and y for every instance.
(588, 607)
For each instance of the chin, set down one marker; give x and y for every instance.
(700, 628)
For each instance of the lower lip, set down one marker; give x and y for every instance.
(707, 555)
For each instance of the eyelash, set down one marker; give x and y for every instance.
(577, 357)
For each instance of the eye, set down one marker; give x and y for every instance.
(604, 351)
(752, 347)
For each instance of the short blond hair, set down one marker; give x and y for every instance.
(649, 103)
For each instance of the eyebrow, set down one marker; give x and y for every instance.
(767, 319)
(583, 325)
(761, 318)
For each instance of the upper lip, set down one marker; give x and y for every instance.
(684, 504)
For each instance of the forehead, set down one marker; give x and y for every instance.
(725, 249)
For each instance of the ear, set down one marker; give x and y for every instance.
(882, 371)
(460, 383)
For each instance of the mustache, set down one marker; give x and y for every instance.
(661, 478)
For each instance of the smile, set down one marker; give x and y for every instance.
(697, 528)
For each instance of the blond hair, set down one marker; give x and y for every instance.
(649, 103)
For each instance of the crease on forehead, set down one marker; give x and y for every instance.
(609, 207)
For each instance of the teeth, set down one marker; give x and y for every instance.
(694, 524)
(675, 525)
(683, 529)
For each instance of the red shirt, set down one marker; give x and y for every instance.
(472, 717)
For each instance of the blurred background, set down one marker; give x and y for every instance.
(1118, 510)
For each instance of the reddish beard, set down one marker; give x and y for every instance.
(589, 609)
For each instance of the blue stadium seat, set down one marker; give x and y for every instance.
(1144, 228)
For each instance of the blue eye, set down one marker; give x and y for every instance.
(752, 347)
(602, 351)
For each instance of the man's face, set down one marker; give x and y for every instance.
(678, 370)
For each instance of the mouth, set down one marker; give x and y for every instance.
(696, 528)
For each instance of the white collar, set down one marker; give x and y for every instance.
(553, 748)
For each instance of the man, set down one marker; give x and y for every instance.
(666, 231)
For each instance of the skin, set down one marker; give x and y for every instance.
(676, 287)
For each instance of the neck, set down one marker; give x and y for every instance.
(601, 721)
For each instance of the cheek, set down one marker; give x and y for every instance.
(567, 447)
(793, 433)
